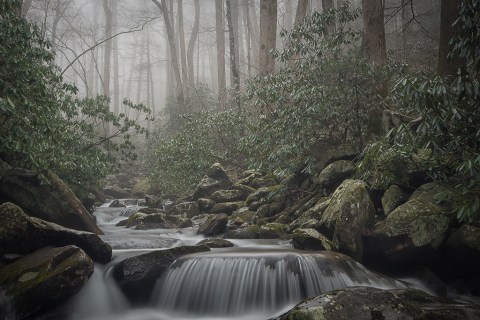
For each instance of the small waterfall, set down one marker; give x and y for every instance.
(249, 282)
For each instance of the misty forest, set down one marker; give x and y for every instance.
(239, 159)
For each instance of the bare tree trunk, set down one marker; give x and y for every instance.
(302, 9)
(176, 69)
(18, 8)
(268, 35)
(191, 43)
(26, 7)
(288, 23)
(248, 35)
(116, 71)
(141, 69)
(170, 78)
(449, 13)
(326, 6)
(183, 54)
(233, 65)
(236, 35)
(374, 44)
(107, 9)
(220, 36)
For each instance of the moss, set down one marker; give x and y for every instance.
(316, 313)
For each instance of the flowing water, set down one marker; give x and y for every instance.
(258, 279)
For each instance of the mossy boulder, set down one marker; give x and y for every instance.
(411, 234)
(261, 193)
(205, 204)
(365, 303)
(392, 198)
(311, 239)
(22, 234)
(216, 179)
(249, 232)
(216, 224)
(221, 196)
(188, 209)
(429, 192)
(142, 221)
(333, 174)
(44, 195)
(350, 211)
(137, 276)
(272, 231)
(239, 218)
(153, 201)
(215, 243)
(45, 278)
(227, 207)
(314, 214)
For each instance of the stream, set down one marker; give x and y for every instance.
(256, 279)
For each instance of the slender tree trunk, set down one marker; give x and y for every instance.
(326, 6)
(268, 35)
(236, 35)
(116, 71)
(191, 43)
(374, 44)
(183, 54)
(176, 69)
(302, 9)
(141, 69)
(288, 23)
(108, 47)
(170, 78)
(449, 13)
(220, 36)
(26, 7)
(248, 35)
(233, 65)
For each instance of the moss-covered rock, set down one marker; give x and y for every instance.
(228, 196)
(188, 209)
(205, 204)
(365, 303)
(311, 239)
(216, 179)
(249, 232)
(216, 224)
(227, 207)
(22, 234)
(335, 173)
(215, 243)
(410, 234)
(314, 214)
(272, 231)
(239, 218)
(45, 196)
(392, 198)
(261, 193)
(428, 192)
(136, 276)
(45, 278)
(158, 221)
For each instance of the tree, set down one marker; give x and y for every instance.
(107, 9)
(191, 43)
(374, 45)
(326, 6)
(183, 54)
(173, 53)
(220, 36)
(268, 35)
(301, 12)
(233, 52)
(449, 14)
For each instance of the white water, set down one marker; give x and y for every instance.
(259, 280)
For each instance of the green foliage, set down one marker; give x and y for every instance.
(43, 125)
(447, 113)
(323, 95)
(177, 163)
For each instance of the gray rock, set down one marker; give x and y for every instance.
(272, 231)
(45, 196)
(221, 196)
(214, 225)
(45, 278)
(310, 239)
(22, 234)
(116, 192)
(205, 204)
(261, 193)
(153, 201)
(227, 207)
(335, 173)
(137, 276)
(215, 243)
(392, 198)
(188, 209)
(216, 179)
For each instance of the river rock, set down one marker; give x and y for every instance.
(227, 207)
(411, 234)
(261, 193)
(311, 216)
(215, 243)
(205, 204)
(365, 303)
(249, 232)
(153, 201)
(117, 204)
(22, 234)
(463, 250)
(348, 214)
(137, 276)
(311, 239)
(142, 221)
(429, 192)
(45, 278)
(214, 225)
(272, 231)
(335, 173)
(46, 196)
(216, 179)
(189, 209)
(228, 196)
(392, 198)
(116, 192)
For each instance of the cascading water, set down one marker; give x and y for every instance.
(256, 282)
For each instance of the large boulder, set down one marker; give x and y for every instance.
(310, 239)
(205, 204)
(365, 303)
(143, 221)
(348, 214)
(272, 231)
(116, 192)
(411, 234)
(392, 198)
(311, 216)
(215, 243)
(261, 193)
(228, 196)
(46, 196)
(214, 225)
(227, 207)
(216, 179)
(189, 209)
(335, 173)
(41, 280)
(137, 276)
(22, 234)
